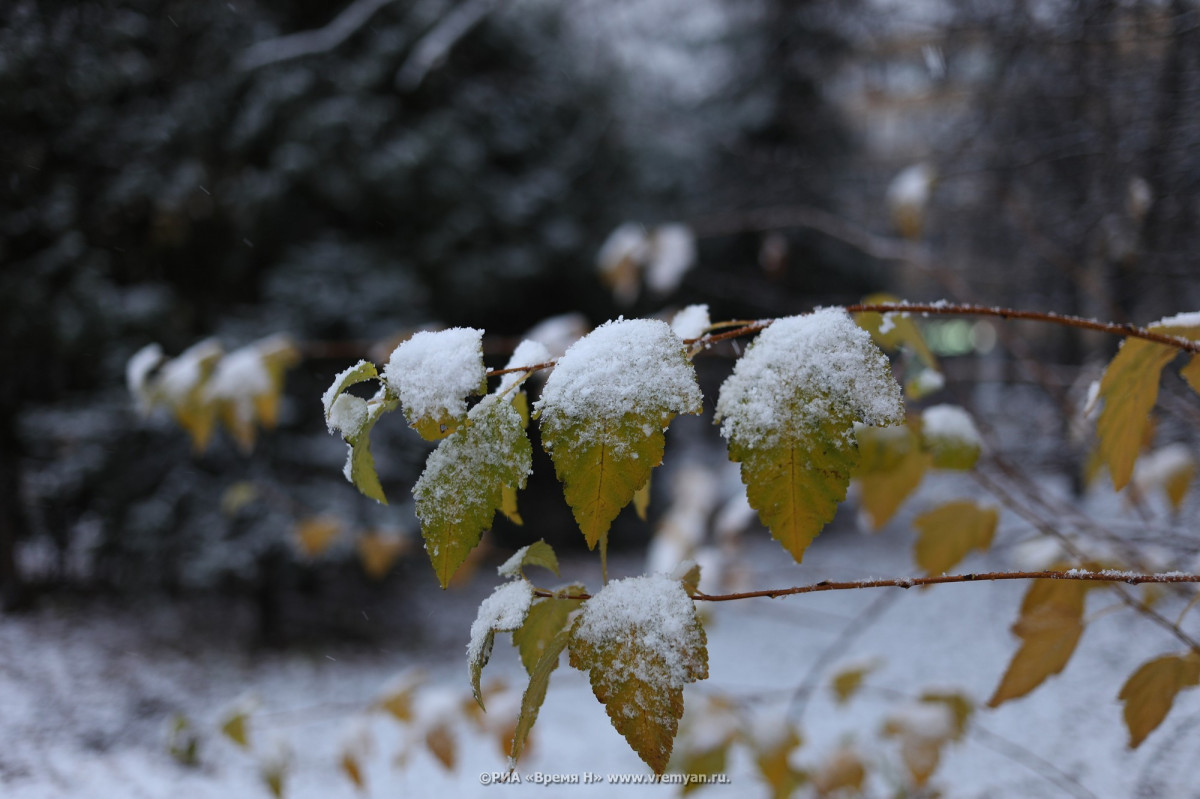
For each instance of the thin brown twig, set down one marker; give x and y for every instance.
(1102, 576)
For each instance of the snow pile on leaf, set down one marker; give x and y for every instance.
(504, 611)
(949, 433)
(640, 641)
(432, 373)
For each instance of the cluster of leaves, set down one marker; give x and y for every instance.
(811, 405)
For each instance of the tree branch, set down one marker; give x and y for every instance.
(321, 40)
(435, 45)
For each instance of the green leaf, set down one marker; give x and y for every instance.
(1149, 693)
(539, 553)
(1049, 627)
(789, 410)
(236, 727)
(504, 611)
(947, 533)
(360, 465)
(462, 486)
(547, 618)
(1129, 389)
(535, 693)
(640, 641)
(603, 412)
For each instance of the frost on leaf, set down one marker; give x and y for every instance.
(1129, 389)
(1049, 627)
(640, 641)
(788, 413)
(503, 611)
(432, 373)
(462, 486)
(603, 412)
(1149, 693)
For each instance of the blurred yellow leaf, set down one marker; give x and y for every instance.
(843, 770)
(847, 681)
(236, 727)
(353, 770)
(641, 500)
(946, 534)
(1191, 373)
(1149, 693)
(892, 465)
(316, 534)
(440, 741)
(1049, 627)
(378, 551)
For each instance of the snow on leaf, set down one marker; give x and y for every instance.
(691, 322)
(640, 641)
(360, 372)
(950, 435)
(946, 534)
(891, 466)
(462, 486)
(504, 611)
(1049, 627)
(432, 373)
(360, 464)
(547, 617)
(1150, 691)
(181, 384)
(539, 553)
(137, 375)
(603, 412)
(1130, 389)
(788, 413)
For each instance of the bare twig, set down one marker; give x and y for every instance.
(435, 45)
(321, 40)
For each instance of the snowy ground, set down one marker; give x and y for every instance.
(86, 695)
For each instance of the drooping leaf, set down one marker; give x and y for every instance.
(547, 617)
(461, 489)
(181, 385)
(379, 550)
(640, 641)
(949, 434)
(360, 464)
(315, 534)
(895, 330)
(603, 412)
(1129, 389)
(1149, 693)
(774, 761)
(236, 727)
(504, 611)
(246, 385)
(535, 693)
(432, 373)
(947, 533)
(848, 680)
(789, 410)
(891, 466)
(441, 744)
(352, 768)
(641, 500)
(1049, 627)
(539, 553)
(359, 373)
(397, 698)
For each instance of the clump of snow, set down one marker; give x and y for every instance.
(187, 371)
(672, 254)
(348, 414)
(950, 424)
(238, 378)
(512, 566)
(433, 372)
(527, 353)
(800, 372)
(137, 374)
(928, 381)
(626, 367)
(505, 609)
(653, 614)
(331, 393)
(1190, 319)
(691, 322)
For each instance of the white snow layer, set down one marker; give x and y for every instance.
(654, 613)
(137, 374)
(691, 322)
(802, 370)
(1190, 319)
(505, 609)
(347, 415)
(629, 366)
(527, 353)
(672, 254)
(950, 424)
(433, 372)
(331, 393)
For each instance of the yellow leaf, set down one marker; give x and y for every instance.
(547, 617)
(640, 641)
(440, 741)
(1191, 373)
(961, 707)
(360, 465)
(845, 683)
(946, 534)
(316, 534)
(378, 551)
(788, 413)
(708, 761)
(397, 701)
(603, 411)
(843, 770)
(535, 693)
(774, 763)
(353, 770)
(461, 489)
(1149, 693)
(274, 776)
(641, 500)
(891, 466)
(236, 727)
(896, 332)
(1049, 627)
(1130, 389)
(508, 505)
